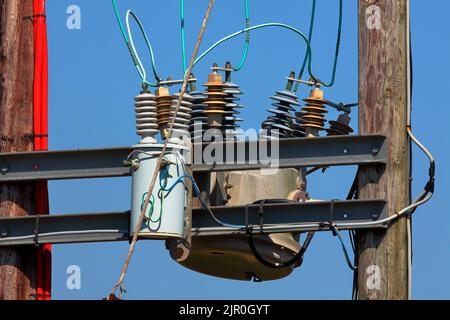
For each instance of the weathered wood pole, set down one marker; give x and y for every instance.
(17, 265)
(382, 255)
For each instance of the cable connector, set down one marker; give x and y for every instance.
(133, 56)
(429, 187)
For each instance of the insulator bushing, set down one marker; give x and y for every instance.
(312, 115)
(341, 126)
(199, 120)
(296, 126)
(146, 117)
(166, 107)
(215, 103)
(230, 120)
(163, 104)
(183, 117)
(281, 122)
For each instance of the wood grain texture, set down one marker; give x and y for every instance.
(382, 110)
(17, 266)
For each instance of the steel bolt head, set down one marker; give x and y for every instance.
(4, 168)
(375, 150)
(4, 233)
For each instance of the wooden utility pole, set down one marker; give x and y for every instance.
(17, 265)
(382, 255)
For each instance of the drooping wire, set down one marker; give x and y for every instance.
(246, 44)
(310, 34)
(205, 206)
(183, 45)
(247, 37)
(338, 45)
(147, 42)
(122, 29)
(130, 45)
(296, 260)
(264, 25)
(152, 207)
(353, 194)
(344, 248)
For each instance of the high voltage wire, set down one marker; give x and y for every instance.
(306, 61)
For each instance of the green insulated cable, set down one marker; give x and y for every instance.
(310, 34)
(183, 46)
(122, 29)
(131, 48)
(264, 25)
(338, 44)
(152, 207)
(247, 37)
(147, 42)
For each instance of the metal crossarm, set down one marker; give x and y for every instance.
(102, 163)
(114, 226)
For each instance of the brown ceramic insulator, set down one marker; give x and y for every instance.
(215, 103)
(163, 104)
(341, 126)
(313, 113)
(182, 119)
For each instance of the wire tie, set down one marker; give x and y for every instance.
(34, 16)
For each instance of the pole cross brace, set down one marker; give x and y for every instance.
(114, 226)
(235, 155)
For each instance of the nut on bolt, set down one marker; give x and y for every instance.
(375, 150)
(133, 164)
(4, 233)
(4, 168)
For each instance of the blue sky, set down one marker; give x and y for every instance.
(92, 86)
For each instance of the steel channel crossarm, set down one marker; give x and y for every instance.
(295, 152)
(73, 228)
(276, 217)
(292, 152)
(103, 227)
(67, 164)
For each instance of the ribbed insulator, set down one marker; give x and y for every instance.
(199, 120)
(341, 126)
(313, 113)
(180, 127)
(281, 122)
(215, 103)
(146, 117)
(163, 104)
(296, 126)
(230, 121)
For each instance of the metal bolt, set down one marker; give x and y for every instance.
(126, 163)
(4, 233)
(345, 151)
(375, 150)
(345, 216)
(133, 164)
(4, 168)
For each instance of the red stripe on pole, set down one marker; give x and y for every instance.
(40, 109)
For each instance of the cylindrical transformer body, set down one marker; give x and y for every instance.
(164, 217)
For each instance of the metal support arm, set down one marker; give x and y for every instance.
(114, 226)
(102, 163)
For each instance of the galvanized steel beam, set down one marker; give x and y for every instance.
(58, 229)
(240, 155)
